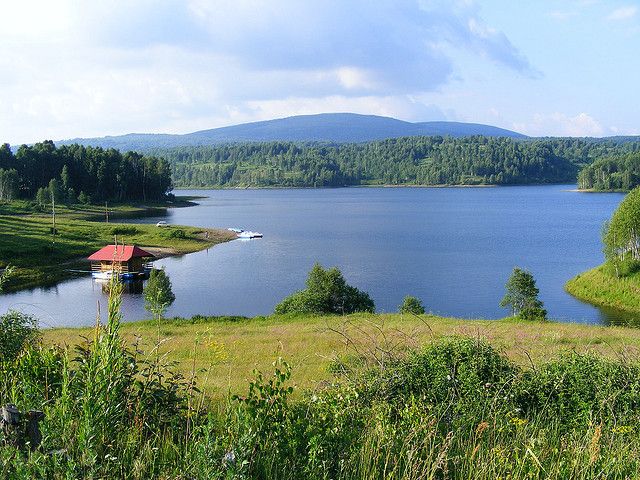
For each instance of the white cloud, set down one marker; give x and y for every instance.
(73, 68)
(562, 125)
(623, 13)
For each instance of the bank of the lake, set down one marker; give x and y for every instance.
(42, 259)
(600, 287)
(226, 350)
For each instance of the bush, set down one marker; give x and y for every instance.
(327, 292)
(176, 233)
(411, 305)
(17, 331)
(125, 230)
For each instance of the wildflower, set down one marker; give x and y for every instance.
(517, 421)
(229, 459)
(622, 429)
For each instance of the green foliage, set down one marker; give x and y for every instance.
(84, 198)
(621, 172)
(175, 233)
(158, 295)
(411, 305)
(43, 197)
(327, 292)
(8, 184)
(411, 160)
(125, 230)
(42, 170)
(522, 296)
(5, 275)
(455, 409)
(17, 332)
(621, 236)
(106, 410)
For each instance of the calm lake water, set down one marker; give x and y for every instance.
(452, 247)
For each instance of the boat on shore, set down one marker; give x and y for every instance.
(249, 234)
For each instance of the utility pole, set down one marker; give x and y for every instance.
(53, 215)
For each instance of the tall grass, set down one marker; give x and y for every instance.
(457, 409)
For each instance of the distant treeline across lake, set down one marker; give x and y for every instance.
(434, 160)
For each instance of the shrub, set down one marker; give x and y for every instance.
(176, 233)
(411, 305)
(327, 292)
(124, 230)
(17, 331)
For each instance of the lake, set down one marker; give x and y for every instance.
(454, 248)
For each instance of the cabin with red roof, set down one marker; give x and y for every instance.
(127, 260)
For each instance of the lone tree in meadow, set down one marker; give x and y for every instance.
(158, 295)
(326, 292)
(522, 296)
(411, 305)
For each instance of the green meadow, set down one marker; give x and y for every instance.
(41, 258)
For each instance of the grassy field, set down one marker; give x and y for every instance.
(40, 258)
(599, 287)
(226, 350)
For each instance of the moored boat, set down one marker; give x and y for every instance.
(249, 234)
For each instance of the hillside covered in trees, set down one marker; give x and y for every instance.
(435, 160)
(621, 172)
(323, 127)
(73, 173)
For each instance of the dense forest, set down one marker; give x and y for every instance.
(73, 173)
(621, 172)
(476, 160)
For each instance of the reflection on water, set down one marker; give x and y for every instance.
(128, 286)
(613, 316)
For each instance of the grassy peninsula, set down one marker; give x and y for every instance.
(600, 286)
(40, 258)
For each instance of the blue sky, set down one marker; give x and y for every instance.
(73, 68)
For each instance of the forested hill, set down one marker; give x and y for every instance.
(326, 127)
(477, 160)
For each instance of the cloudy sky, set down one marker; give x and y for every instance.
(73, 68)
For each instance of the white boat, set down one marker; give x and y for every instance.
(235, 230)
(249, 234)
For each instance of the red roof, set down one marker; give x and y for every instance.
(119, 253)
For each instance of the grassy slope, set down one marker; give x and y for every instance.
(599, 287)
(230, 350)
(26, 242)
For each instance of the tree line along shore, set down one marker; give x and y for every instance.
(76, 173)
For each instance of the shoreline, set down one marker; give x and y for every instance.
(329, 187)
(42, 260)
(596, 287)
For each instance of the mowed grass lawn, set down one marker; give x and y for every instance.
(224, 353)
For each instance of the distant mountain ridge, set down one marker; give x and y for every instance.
(324, 127)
